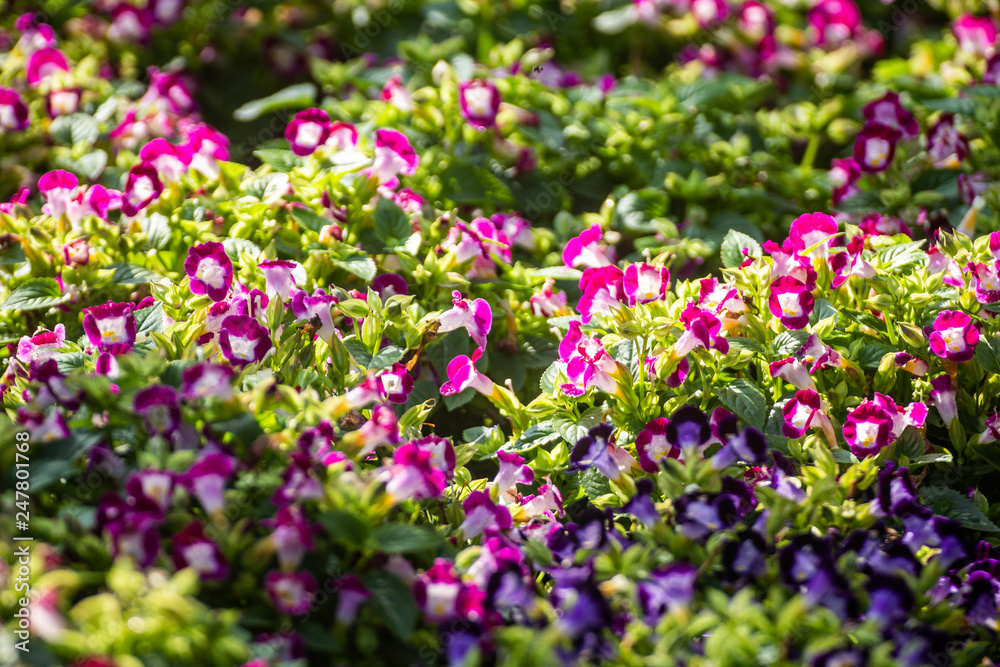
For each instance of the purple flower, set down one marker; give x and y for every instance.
(291, 592)
(876, 224)
(204, 379)
(875, 147)
(159, 409)
(141, 187)
(834, 22)
(954, 336)
(291, 536)
(192, 548)
(209, 269)
(297, 482)
(945, 144)
(13, 111)
(381, 429)
(743, 557)
(315, 307)
(842, 657)
(547, 302)
(979, 599)
(393, 155)
(598, 450)
(992, 432)
(748, 446)
(351, 594)
(912, 364)
(710, 12)
(587, 363)
(850, 263)
(308, 131)
(171, 161)
(482, 514)
(652, 445)
(475, 316)
(243, 340)
(887, 110)
(895, 492)
(924, 529)
(791, 302)
(343, 136)
(943, 396)
(281, 276)
(668, 588)
(587, 249)
(109, 324)
(438, 591)
(413, 475)
(513, 471)
(868, 429)
(43, 63)
(645, 283)
(442, 452)
(389, 284)
(480, 103)
(699, 515)
(397, 383)
(641, 505)
(689, 430)
(844, 174)
(702, 329)
(462, 374)
(206, 480)
(603, 292)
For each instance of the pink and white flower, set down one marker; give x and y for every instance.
(791, 302)
(476, 317)
(396, 383)
(397, 94)
(588, 364)
(308, 131)
(291, 536)
(652, 446)
(976, 35)
(480, 102)
(701, 329)
(834, 22)
(513, 471)
(171, 161)
(462, 374)
(547, 302)
(944, 397)
(202, 380)
(393, 156)
(987, 281)
(243, 340)
(192, 548)
(159, 409)
(794, 372)
(42, 346)
(954, 336)
(141, 187)
(206, 480)
(413, 475)
(850, 263)
(282, 276)
(317, 306)
(343, 136)
(44, 63)
(291, 592)
(603, 290)
(109, 324)
(802, 413)
(645, 283)
(945, 144)
(812, 232)
(587, 249)
(875, 147)
(868, 429)
(209, 270)
(59, 188)
(482, 514)
(13, 111)
(887, 110)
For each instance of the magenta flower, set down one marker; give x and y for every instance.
(603, 290)
(513, 471)
(645, 283)
(43, 63)
(203, 379)
(515, 228)
(154, 486)
(954, 336)
(141, 187)
(438, 591)
(317, 306)
(159, 408)
(887, 110)
(789, 263)
(875, 147)
(442, 452)
(652, 446)
(291, 536)
(850, 263)
(291, 592)
(387, 285)
(381, 429)
(13, 111)
(976, 35)
(791, 302)
(206, 480)
(844, 173)
(192, 548)
(393, 155)
(710, 12)
(911, 364)
(397, 383)
(397, 94)
(547, 302)
(130, 24)
(351, 594)
(42, 346)
(413, 475)
(802, 413)
(208, 147)
(308, 131)
(992, 430)
(834, 22)
(876, 224)
(812, 229)
(171, 161)
(702, 329)
(587, 249)
(943, 397)
(243, 340)
(110, 323)
(987, 281)
(792, 371)
(298, 482)
(482, 514)
(868, 429)
(480, 103)
(945, 144)
(475, 316)
(462, 374)
(343, 136)
(588, 364)
(209, 269)
(281, 276)
(58, 188)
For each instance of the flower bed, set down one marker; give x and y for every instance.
(688, 355)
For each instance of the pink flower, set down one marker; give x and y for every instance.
(209, 270)
(482, 514)
(171, 161)
(756, 20)
(722, 300)
(397, 94)
(442, 452)
(912, 364)
(588, 364)
(976, 35)
(475, 317)
(844, 173)
(308, 131)
(441, 594)
(141, 187)
(208, 147)
(381, 429)
(645, 283)
(876, 224)
(13, 111)
(793, 371)
(850, 263)
(702, 329)
(802, 413)
(192, 548)
(945, 144)
(709, 12)
(834, 22)
(396, 383)
(351, 594)
(480, 103)
(954, 336)
(281, 276)
(110, 323)
(291, 536)
(158, 407)
(413, 475)
(652, 446)
(791, 302)
(812, 232)
(603, 290)
(943, 397)
(887, 110)
(129, 24)
(317, 306)
(547, 303)
(462, 374)
(789, 263)
(206, 480)
(987, 281)
(992, 432)
(588, 250)
(42, 346)
(343, 136)
(291, 592)
(938, 262)
(875, 147)
(868, 429)
(203, 379)
(43, 63)
(243, 340)
(513, 471)
(58, 188)
(393, 155)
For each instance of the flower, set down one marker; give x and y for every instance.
(834, 22)
(868, 429)
(43, 63)
(513, 471)
(413, 474)
(297, 482)
(209, 270)
(315, 307)
(110, 323)
(669, 587)
(793, 371)
(976, 35)
(203, 379)
(597, 449)
(748, 446)
(641, 505)
(343, 136)
(943, 397)
(850, 263)
(243, 340)
(844, 173)
(987, 281)
(876, 224)
(193, 549)
(291, 592)
(812, 234)
(992, 432)
(802, 413)
(547, 302)
(480, 103)
(791, 302)
(887, 110)
(308, 130)
(587, 249)
(159, 408)
(42, 346)
(875, 147)
(141, 187)
(482, 514)
(206, 480)
(397, 94)
(645, 283)
(13, 111)
(954, 336)
(603, 291)
(439, 591)
(462, 374)
(58, 188)
(291, 536)
(587, 363)
(281, 276)
(945, 144)
(652, 445)
(475, 316)
(171, 162)
(393, 155)
(351, 594)
(702, 329)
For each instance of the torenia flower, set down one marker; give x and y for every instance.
(308, 131)
(291, 536)
(791, 302)
(945, 144)
(834, 22)
(396, 383)
(58, 188)
(702, 329)
(192, 548)
(439, 591)
(809, 230)
(159, 408)
(282, 276)
(206, 480)
(209, 269)
(850, 263)
(482, 514)
(987, 281)
(291, 592)
(109, 324)
(875, 147)
(588, 250)
(669, 587)
(652, 446)
(954, 336)
(397, 94)
(393, 155)
(480, 102)
(462, 374)
(938, 262)
(887, 110)
(943, 398)
(13, 111)
(802, 413)
(547, 302)
(645, 283)
(42, 346)
(343, 136)
(587, 363)
(912, 364)
(603, 292)
(171, 161)
(141, 187)
(201, 380)
(992, 431)
(243, 340)
(413, 475)
(976, 35)
(475, 316)
(513, 471)
(844, 174)
(306, 307)
(723, 300)
(868, 429)
(598, 449)
(793, 371)
(43, 63)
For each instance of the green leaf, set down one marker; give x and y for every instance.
(733, 245)
(988, 354)
(395, 602)
(149, 319)
(299, 95)
(397, 538)
(345, 527)
(746, 400)
(132, 274)
(594, 483)
(235, 246)
(548, 381)
(266, 186)
(244, 427)
(386, 357)
(455, 401)
(452, 344)
(392, 225)
(952, 504)
(989, 453)
(309, 219)
(88, 166)
(748, 344)
(902, 255)
(358, 351)
(572, 429)
(788, 343)
(466, 184)
(34, 294)
(355, 261)
(76, 128)
(959, 105)
(535, 436)
(636, 211)
(156, 227)
(12, 254)
(278, 159)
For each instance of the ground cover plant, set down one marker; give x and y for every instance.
(517, 333)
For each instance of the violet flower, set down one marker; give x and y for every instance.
(791, 302)
(110, 323)
(475, 316)
(243, 340)
(954, 336)
(13, 112)
(307, 131)
(192, 548)
(645, 283)
(482, 514)
(875, 147)
(209, 270)
(480, 102)
(291, 592)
